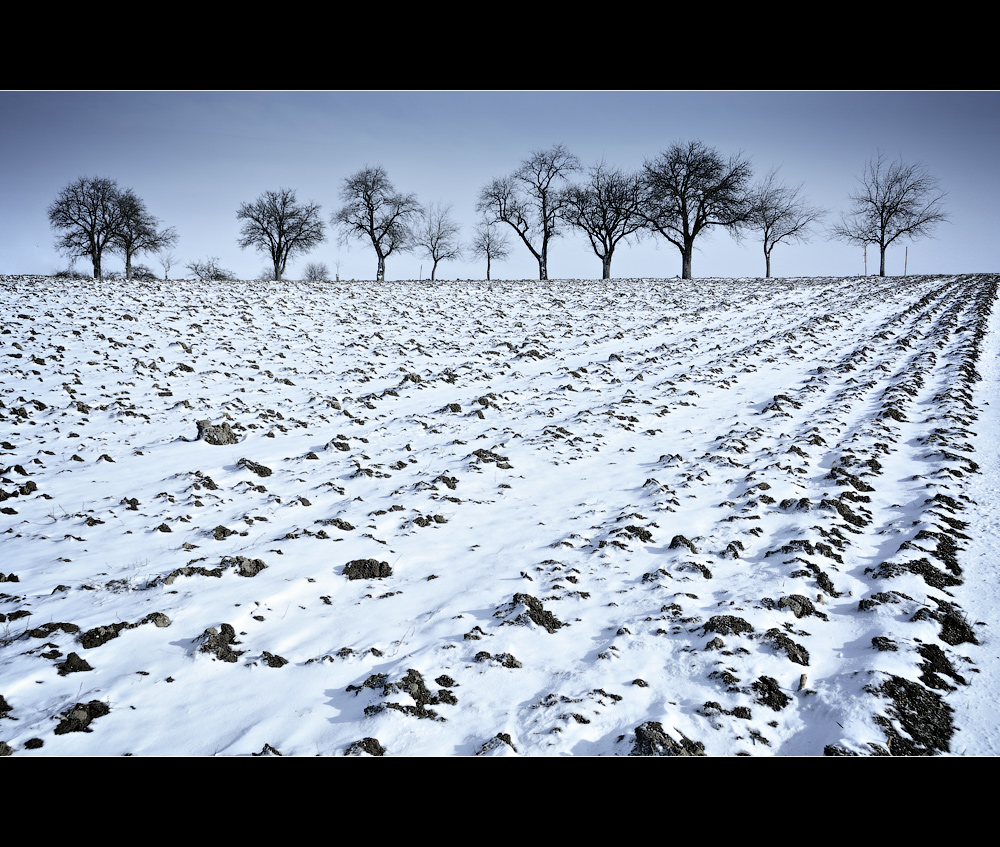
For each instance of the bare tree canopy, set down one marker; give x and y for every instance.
(374, 211)
(780, 214)
(437, 236)
(895, 200)
(280, 227)
(530, 200)
(607, 208)
(490, 243)
(86, 216)
(691, 188)
(137, 230)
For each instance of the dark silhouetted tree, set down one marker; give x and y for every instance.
(531, 199)
(138, 230)
(780, 214)
(374, 211)
(437, 236)
(608, 209)
(692, 188)
(280, 227)
(490, 243)
(895, 200)
(86, 216)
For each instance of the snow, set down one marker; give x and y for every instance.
(637, 515)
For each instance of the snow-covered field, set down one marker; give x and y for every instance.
(564, 518)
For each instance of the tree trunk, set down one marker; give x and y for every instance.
(487, 267)
(543, 271)
(128, 266)
(97, 267)
(434, 269)
(686, 261)
(881, 263)
(606, 266)
(380, 276)
(767, 261)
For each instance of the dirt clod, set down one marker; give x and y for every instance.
(73, 664)
(217, 434)
(219, 643)
(80, 717)
(367, 569)
(537, 613)
(652, 740)
(369, 746)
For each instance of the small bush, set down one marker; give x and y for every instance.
(209, 269)
(316, 272)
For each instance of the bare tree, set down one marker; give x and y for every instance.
(86, 215)
(608, 209)
(490, 243)
(530, 200)
(316, 272)
(167, 261)
(210, 269)
(137, 230)
(692, 188)
(437, 236)
(374, 211)
(895, 200)
(780, 214)
(277, 225)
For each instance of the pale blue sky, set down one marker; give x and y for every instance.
(195, 156)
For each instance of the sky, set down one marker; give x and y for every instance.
(195, 156)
